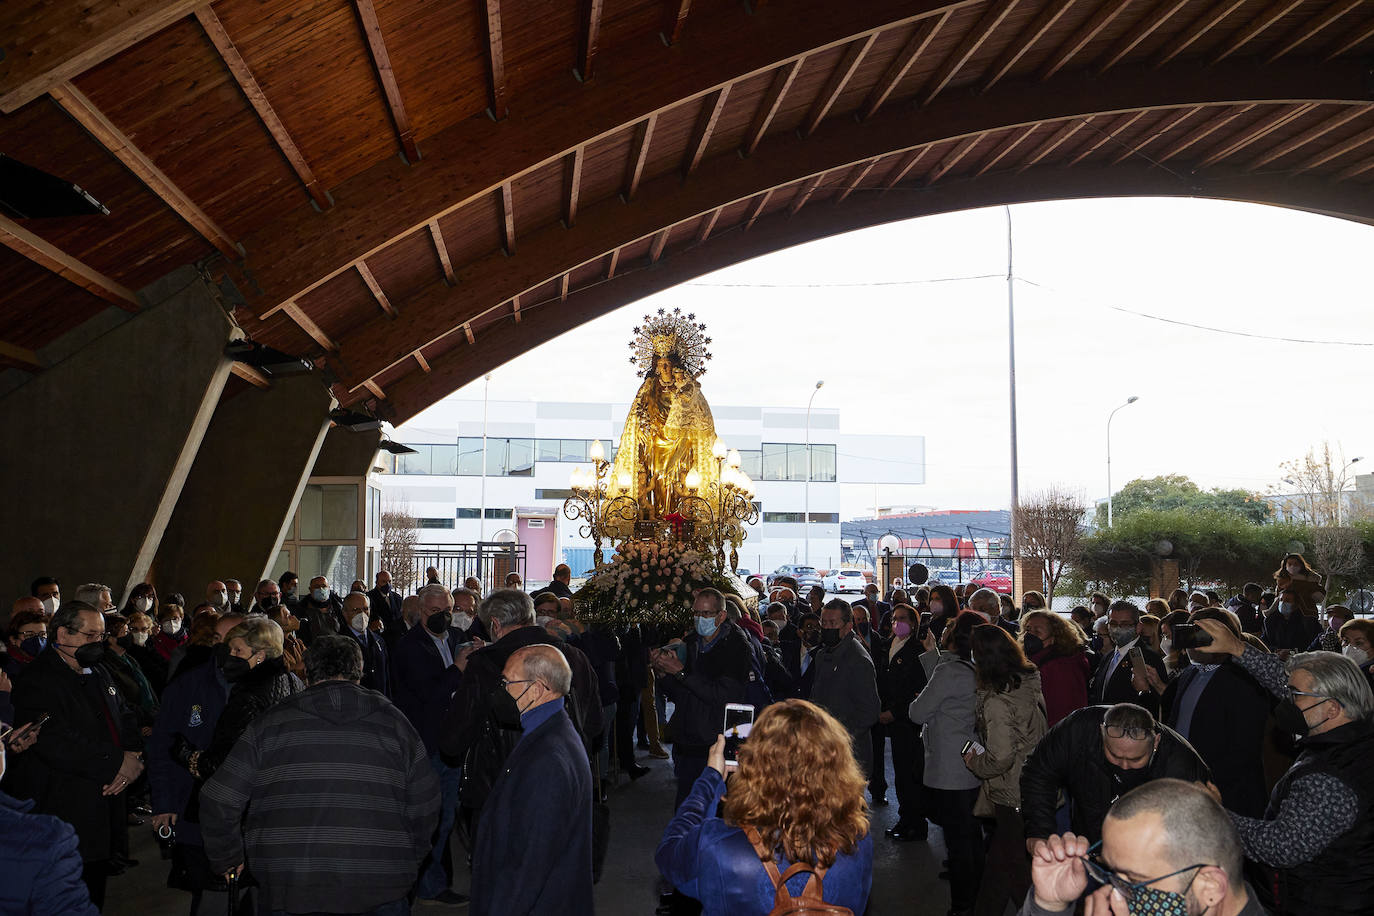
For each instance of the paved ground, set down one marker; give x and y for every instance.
(905, 874)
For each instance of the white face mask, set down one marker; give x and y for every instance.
(50, 604)
(1166, 645)
(172, 627)
(359, 622)
(1355, 654)
(320, 594)
(217, 599)
(140, 638)
(144, 605)
(462, 620)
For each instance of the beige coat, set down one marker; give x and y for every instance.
(1010, 724)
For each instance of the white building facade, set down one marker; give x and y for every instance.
(516, 492)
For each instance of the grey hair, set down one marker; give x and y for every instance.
(462, 590)
(332, 657)
(844, 607)
(65, 616)
(1129, 715)
(985, 600)
(776, 606)
(1196, 828)
(90, 593)
(545, 663)
(1129, 606)
(1339, 678)
(509, 607)
(412, 609)
(433, 590)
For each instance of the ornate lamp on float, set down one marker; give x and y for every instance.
(594, 502)
(721, 507)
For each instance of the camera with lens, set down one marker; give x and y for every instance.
(1190, 636)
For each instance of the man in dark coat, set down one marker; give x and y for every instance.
(533, 853)
(385, 602)
(320, 611)
(376, 673)
(1112, 681)
(900, 678)
(562, 576)
(88, 753)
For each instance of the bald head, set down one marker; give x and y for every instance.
(543, 665)
(355, 602)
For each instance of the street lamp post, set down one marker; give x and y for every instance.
(1129, 401)
(1340, 494)
(482, 522)
(806, 516)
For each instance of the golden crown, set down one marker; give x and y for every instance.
(671, 333)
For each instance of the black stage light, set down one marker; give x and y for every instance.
(396, 448)
(355, 420)
(30, 193)
(266, 359)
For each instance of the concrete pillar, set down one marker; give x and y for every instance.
(238, 502)
(99, 445)
(1026, 576)
(1164, 577)
(346, 453)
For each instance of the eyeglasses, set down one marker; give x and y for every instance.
(92, 637)
(1122, 731)
(1103, 874)
(1303, 693)
(507, 683)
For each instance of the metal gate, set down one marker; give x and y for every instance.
(489, 561)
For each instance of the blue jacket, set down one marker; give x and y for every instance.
(708, 859)
(42, 867)
(376, 667)
(191, 705)
(421, 684)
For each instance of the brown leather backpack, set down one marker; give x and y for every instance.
(810, 903)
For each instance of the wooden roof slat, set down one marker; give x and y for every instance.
(1105, 15)
(563, 287)
(905, 165)
(1055, 140)
(768, 108)
(83, 110)
(441, 249)
(49, 256)
(1354, 171)
(611, 266)
(1150, 23)
(1108, 136)
(1256, 27)
(1257, 131)
(972, 41)
(758, 209)
(19, 357)
(921, 37)
(705, 126)
(589, 38)
(853, 182)
(496, 62)
(507, 218)
(677, 20)
(1028, 38)
(1169, 123)
(52, 42)
(839, 78)
(953, 158)
(1348, 145)
(306, 324)
(376, 389)
(238, 67)
(644, 135)
(376, 288)
(1353, 40)
(1312, 28)
(250, 374)
(1200, 27)
(1200, 133)
(421, 361)
(573, 183)
(515, 308)
(381, 60)
(468, 333)
(1001, 152)
(1309, 136)
(708, 224)
(804, 194)
(656, 249)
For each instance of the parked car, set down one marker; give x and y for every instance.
(997, 581)
(806, 576)
(839, 581)
(948, 577)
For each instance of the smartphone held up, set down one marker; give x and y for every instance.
(739, 721)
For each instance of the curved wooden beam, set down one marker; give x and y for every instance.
(785, 159)
(545, 321)
(391, 200)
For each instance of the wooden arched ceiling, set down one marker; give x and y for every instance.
(412, 192)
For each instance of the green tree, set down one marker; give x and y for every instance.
(1176, 491)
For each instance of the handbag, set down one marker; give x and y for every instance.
(811, 901)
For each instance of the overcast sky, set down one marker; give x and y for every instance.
(899, 353)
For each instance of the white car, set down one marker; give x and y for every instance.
(838, 581)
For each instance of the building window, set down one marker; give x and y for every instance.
(553, 494)
(794, 518)
(469, 513)
(417, 463)
(774, 461)
(500, 513)
(751, 463)
(548, 450)
(434, 523)
(787, 461)
(574, 450)
(823, 463)
(825, 518)
(520, 458)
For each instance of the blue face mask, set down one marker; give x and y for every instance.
(706, 626)
(33, 645)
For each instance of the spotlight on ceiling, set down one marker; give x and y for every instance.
(355, 420)
(396, 448)
(266, 359)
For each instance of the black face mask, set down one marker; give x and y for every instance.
(90, 654)
(234, 668)
(1289, 717)
(830, 637)
(218, 653)
(125, 642)
(864, 628)
(1033, 644)
(1126, 780)
(506, 708)
(808, 637)
(439, 622)
(268, 603)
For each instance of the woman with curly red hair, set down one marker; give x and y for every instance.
(796, 797)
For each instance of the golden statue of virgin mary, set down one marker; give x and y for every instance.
(669, 431)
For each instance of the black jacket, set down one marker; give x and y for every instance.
(386, 606)
(1294, 632)
(252, 695)
(790, 652)
(1227, 731)
(711, 679)
(900, 678)
(376, 662)
(421, 683)
(1070, 759)
(1119, 688)
(77, 752)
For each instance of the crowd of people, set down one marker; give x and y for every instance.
(328, 753)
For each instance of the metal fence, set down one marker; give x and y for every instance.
(489, 561)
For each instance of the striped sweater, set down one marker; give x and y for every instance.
(330, 799)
